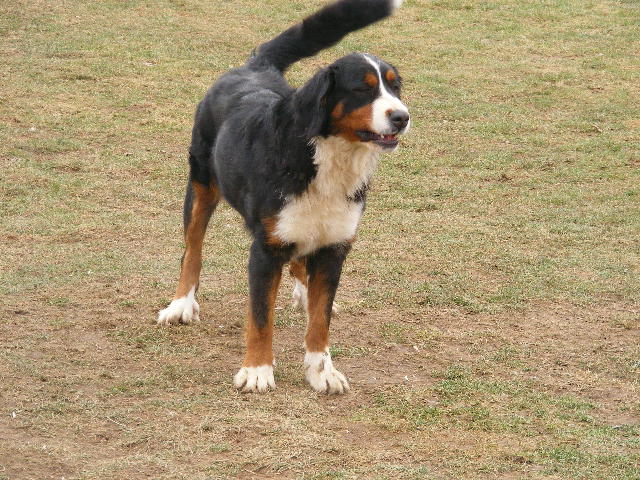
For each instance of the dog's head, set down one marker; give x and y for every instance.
(356, 98)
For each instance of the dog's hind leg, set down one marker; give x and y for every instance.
(324, 268)
(265, 271)
(200, 202)
(298, 270)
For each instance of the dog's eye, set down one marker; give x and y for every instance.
(363, 89)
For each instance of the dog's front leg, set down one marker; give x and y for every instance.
(324, 268)
(265, 271)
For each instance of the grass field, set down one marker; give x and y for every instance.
(490, 309)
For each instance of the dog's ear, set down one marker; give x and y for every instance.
(311, 103)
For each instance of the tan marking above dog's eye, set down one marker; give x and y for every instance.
(390, 76)
(371, 79)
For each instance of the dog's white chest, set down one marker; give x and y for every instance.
(312, 221)
(323, 215)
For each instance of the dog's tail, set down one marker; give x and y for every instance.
(322, 30)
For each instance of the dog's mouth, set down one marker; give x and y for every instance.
(389, 140)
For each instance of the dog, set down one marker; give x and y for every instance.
(296, 164)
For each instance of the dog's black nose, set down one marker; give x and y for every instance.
(399, 119)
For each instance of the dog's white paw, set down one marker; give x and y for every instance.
(181, 310)
(255, 379)
(299, 298)
(321, 374)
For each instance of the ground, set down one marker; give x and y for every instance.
(490, 309)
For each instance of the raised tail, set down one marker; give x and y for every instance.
(322, 30)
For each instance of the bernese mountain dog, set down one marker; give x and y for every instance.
(296, 164)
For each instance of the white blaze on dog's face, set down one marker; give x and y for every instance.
(389, 113)
(365, 102)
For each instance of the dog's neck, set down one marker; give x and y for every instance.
(343, 167)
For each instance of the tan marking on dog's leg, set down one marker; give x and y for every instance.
(184, 308)
(317, 336)
(256, 373)
(259, 341)
(319, 369)
(298, 270)
(205, 200)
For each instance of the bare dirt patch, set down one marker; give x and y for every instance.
(96, 398)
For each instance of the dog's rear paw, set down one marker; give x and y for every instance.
(321, 374)
(181, 310)
(255, 379)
